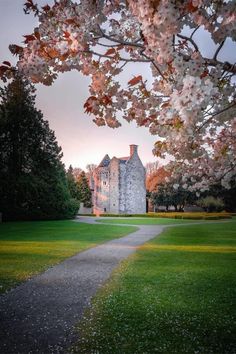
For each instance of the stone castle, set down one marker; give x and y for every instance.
(119, 185)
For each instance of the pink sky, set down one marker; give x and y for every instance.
(81, 140)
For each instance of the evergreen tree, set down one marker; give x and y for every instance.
(84, 192)
(73, 187)
(33, 182)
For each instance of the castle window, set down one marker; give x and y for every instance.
(104, 183)
(105, 209)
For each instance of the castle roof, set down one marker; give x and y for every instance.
(105, 161)
(123, 159)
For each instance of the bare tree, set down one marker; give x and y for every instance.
(151, 167)
(77, 172)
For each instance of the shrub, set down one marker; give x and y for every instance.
(211, 204)
(118, 215)
(86, 214)
(175, 215)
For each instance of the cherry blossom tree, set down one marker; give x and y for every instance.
(183, 96)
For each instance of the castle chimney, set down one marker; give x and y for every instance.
(133, 149)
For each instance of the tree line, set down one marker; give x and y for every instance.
(163, 194)
(34, 184)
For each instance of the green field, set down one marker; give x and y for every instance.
(177, 294)
(27, 248)
(147, 221)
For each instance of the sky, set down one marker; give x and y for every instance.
(62, 103)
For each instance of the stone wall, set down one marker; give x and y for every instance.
(84, 210)
(135, 186)
(101, 190)
(114, 186)
(122, 188)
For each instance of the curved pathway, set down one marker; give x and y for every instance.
(38, 316)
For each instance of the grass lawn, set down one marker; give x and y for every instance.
(147, 221)
(177, 294)
(27, 248)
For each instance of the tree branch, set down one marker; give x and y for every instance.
(120, 58)
(155, 65)
(131, 44)
(218, 49)
(232, 167)
(190, 40)
(107, 45)
(226, 66)
(194, 31)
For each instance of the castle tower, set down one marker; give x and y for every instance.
(135, 184)
(119, 185)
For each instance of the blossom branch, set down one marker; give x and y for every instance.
(231, 168)
(132, 60)
(226, 66)
(215, 114)
(119, 41)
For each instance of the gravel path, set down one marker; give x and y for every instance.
(38, 316)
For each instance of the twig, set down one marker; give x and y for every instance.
(155, 65)
(107, 45)
(218, 49)
(194, 31)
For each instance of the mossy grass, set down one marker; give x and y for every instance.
(177, 294)
(27, 248)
